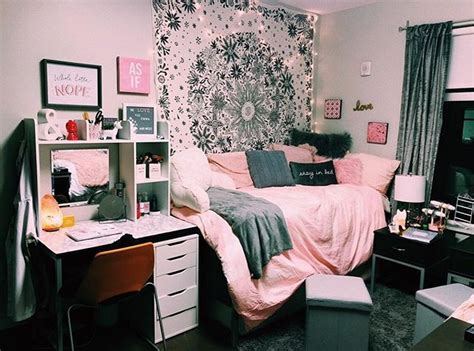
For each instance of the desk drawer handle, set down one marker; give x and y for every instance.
(177, 272)
(177, 292)
(177, 243)
(399, 249)
(175, 258)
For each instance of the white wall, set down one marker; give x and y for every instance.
(87, 31)
(370, 33)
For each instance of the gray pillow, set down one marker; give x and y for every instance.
(269, 168)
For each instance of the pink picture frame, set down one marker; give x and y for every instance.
(332, 108)
(133, 75)
(377, 132)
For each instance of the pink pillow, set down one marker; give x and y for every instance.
(348, 171)
(377, 172)
(234, 164)
(294, 153)
(318, 158)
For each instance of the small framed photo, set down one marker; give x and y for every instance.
(377, 132)
(71, 85)
(332, 108)
(140, 120)
(133, 75)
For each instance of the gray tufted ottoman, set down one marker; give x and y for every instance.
(435, 305)
(337, 313)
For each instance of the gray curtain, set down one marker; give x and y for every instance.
(427, 53)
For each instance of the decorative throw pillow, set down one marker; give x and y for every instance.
(377, 172)
(234, 164)
(348, 171)
(310, 148)
(330, 145)
(190, 178)
(269, 168)
(294, 153)
(313, 173)
(222, 180)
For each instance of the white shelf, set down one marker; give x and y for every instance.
(148, 181)
(109, 141)
(84, 142)
(122, 158)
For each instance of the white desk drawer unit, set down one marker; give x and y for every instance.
(176, 280)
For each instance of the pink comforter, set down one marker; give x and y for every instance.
(332, 232)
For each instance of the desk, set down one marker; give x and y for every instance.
(57, 245)
(448, 336)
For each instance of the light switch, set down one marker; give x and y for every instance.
(365, 68)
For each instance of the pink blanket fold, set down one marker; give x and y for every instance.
(331, 228)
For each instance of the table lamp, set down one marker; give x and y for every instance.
(410, 194)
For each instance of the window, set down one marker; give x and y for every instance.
(454, 170)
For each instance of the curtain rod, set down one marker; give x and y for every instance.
(458, 24)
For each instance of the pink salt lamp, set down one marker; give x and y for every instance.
(51, 215)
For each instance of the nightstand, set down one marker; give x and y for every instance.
(411, 253)
(461, 263)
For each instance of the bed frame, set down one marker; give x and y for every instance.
(216, 304)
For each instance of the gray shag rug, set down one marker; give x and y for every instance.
(392, 325)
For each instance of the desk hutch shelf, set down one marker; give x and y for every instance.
(122, 159)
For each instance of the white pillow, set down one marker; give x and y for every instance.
(191, 165)
(190, 178)
(222, 180)
(189, 195)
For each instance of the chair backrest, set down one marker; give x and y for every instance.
(117, 272)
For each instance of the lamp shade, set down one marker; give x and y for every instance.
(410, 188)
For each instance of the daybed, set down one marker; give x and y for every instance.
(331, 228)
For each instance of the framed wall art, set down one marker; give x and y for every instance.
(71, 85)
(133, 75)
(377, 132)
(332, 108)
(142, 119)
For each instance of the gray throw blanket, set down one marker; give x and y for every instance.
(258, 224)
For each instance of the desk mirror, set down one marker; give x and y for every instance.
(79, 176)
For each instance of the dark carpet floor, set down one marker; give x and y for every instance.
(392, 325)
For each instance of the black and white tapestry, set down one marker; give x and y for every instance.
(232, 76)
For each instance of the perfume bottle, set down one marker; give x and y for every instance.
(144, 204)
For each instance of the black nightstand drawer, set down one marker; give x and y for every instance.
(401, 249)
(410, 251)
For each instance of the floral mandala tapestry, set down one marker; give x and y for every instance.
(232, 77)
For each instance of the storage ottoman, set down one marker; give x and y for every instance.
(435, 305)
(337, 313)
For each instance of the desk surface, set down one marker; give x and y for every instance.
(58, 243)
(448, 336)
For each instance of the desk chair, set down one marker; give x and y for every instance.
(114, 275)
